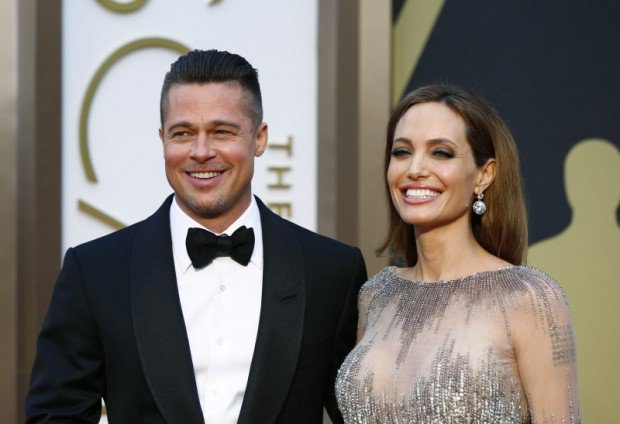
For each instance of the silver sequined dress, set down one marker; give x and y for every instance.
(493, 347)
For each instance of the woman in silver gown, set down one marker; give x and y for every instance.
(465, 333)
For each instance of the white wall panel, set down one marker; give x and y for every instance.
(278, 37)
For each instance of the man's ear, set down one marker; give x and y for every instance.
(161, 135)
(486, 175)
(262, 134)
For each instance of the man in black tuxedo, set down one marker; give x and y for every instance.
(169, 322)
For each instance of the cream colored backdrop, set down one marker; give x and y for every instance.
(115, 55)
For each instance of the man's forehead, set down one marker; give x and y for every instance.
(182, 89)
(213, 87)
(182, 97)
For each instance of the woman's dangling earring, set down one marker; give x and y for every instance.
(479, 206)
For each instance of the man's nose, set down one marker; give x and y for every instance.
(203, 148)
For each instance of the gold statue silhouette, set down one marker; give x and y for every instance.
(585, 259)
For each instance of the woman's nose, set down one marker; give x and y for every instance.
(418, 168)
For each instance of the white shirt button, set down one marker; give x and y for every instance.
(222, 288)
(220, 341)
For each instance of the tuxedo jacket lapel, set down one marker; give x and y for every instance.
(281, 322)
(160, 331)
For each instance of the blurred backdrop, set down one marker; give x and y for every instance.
(80, 156)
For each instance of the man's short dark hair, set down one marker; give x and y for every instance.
(207, 66)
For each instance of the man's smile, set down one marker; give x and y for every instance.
(205, 175)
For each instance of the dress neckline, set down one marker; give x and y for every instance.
(392, 270)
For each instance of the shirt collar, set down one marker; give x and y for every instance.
(180, 222)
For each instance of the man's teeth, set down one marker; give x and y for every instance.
(421, 193)
(204, 174)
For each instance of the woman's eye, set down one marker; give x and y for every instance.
(400, 152)
(443, 153)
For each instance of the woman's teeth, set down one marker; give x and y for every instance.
(421, 193)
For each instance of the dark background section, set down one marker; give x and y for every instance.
(397, 5)
(550, 68)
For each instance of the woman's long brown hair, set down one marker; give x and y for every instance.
(502, 230)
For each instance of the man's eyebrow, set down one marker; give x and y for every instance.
(178, 124)
(222, 122)
(216, 123)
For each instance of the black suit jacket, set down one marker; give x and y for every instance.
(115, 330)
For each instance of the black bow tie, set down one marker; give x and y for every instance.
(203, 246)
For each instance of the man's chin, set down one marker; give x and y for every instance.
(210, 209)
(201, 207)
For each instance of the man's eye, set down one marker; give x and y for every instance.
(222, 132)
(180, 133)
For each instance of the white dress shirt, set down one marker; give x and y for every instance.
(221, 307)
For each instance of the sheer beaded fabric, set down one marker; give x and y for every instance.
(492, 347)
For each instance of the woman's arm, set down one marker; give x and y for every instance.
(546, 358)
